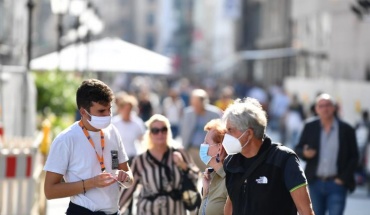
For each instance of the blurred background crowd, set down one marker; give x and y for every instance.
(281, 52)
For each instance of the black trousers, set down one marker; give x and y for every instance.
(74, 209)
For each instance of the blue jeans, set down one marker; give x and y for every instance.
(327, 196)
(174, 130)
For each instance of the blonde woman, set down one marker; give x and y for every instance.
(159, 170)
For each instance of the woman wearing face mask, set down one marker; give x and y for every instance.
(159, 170)
(213, 154)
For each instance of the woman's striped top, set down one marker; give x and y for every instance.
(155, 176)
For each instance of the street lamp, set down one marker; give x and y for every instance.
(30, 5)
(77, 7)
(59, 7)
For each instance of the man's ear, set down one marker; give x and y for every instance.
(250, 132)
(83, 113)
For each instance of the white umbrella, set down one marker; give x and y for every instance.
(105, 55)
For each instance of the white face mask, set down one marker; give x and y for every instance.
(99, 122)
(232, 145)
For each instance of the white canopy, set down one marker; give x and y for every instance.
(105, 55)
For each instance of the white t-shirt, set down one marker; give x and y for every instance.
(72, 156)
(130, 132)
(173, 109)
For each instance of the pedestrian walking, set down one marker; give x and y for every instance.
(159, 171)
(262, 178)
(192, 125)
(173, 109)
(130, 127)
(89, 155)
(226, 98)
(213, 155)
(329, 147)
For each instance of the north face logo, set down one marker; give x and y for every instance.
(262, 180)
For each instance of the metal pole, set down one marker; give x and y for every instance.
(60, 31)
(30, 6)
(59, 36)
(1, 107)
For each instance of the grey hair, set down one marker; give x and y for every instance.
(247, 113)
(325, 96)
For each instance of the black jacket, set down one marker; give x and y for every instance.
(347, 157)
(258, 198)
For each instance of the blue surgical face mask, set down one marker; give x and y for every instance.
(203, 153)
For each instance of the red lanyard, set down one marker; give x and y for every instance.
(102, 143)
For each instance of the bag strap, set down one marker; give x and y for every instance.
(253, 167)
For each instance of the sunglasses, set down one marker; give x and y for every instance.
(157, 130)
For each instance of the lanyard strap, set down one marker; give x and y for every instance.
(102, 143)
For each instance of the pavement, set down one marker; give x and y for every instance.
(57, 206)
(358, 203)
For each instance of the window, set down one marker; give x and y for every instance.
(2, 12)
(150, 19)
(149, 43)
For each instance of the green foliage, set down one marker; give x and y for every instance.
(56, 95)
(56, 91)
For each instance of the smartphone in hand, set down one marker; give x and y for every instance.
(210, 169)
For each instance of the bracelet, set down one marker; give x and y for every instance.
(83, 185)
(128, 182)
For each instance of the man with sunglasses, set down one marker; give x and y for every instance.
(90, 156)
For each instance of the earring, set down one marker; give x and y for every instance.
(218, 158)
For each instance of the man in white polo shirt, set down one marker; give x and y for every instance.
(90, 156)
(130, 127)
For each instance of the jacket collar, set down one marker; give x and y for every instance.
(234, 163)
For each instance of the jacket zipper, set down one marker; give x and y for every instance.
(244, 194)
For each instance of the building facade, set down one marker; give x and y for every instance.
(214, 35)
(274, 34)
(332, 41)
(13, 32)
(147, 23)
(264, 27)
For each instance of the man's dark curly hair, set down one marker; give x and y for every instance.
(93, 90)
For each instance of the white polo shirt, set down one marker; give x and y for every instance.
(130, 132)
(72, 156)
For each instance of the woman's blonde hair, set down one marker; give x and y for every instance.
(157, 118)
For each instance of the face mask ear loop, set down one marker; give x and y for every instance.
(241, 137)
(88, 114)
(246, 142)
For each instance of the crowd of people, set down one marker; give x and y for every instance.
(225, 147)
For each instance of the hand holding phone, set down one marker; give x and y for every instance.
(210, 170)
